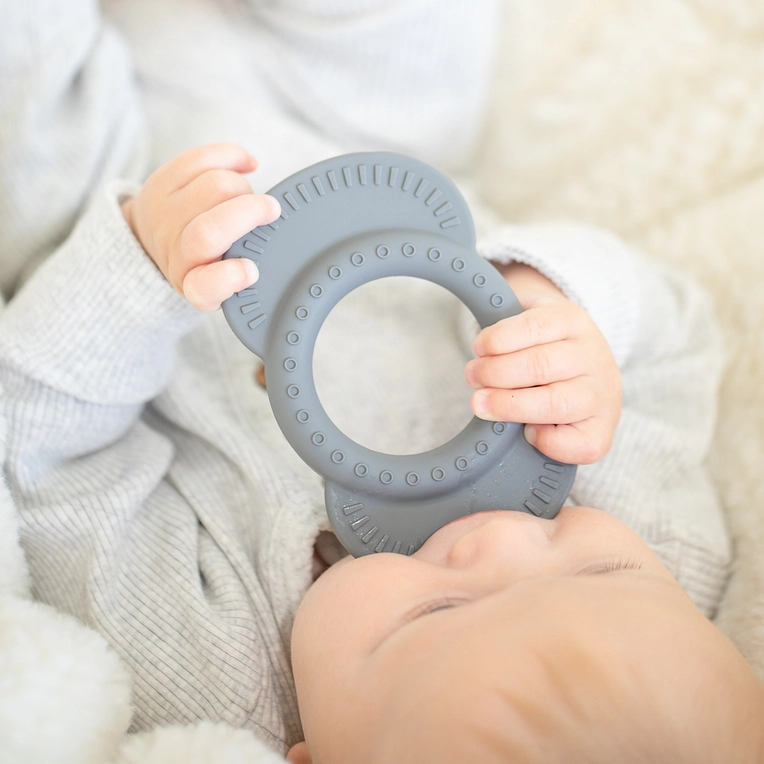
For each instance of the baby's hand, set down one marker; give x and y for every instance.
(190, 211)
(551, 368)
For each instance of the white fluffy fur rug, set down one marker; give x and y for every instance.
(647, 118)
(644, 117)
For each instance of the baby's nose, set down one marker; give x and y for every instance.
(503, 546)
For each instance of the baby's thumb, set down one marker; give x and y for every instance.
(206, 286)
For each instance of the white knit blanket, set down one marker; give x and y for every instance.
(645, 118)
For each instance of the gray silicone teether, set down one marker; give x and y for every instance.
(344, 222)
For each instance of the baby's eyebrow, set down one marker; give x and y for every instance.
(612, 566)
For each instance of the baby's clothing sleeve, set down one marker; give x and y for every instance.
(87, 342)
(70, 118)
(394, 74)
(592, 267)
(661, 329)
(110, 532)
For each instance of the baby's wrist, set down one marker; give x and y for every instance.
(526, 281)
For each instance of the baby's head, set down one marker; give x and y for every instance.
(507, 638)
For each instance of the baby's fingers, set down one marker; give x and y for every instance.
(548, 320)
(538, 365)
(206, 286)
(186, 166)
(580, 443)
(209, 235)
(559, 403)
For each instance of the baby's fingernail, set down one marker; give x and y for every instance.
(480, 403)
(530, 434)
(470, 375)
(253, 272)
(273, 204)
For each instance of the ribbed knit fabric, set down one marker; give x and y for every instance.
(158, 500)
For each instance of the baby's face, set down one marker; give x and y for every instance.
(504, 630)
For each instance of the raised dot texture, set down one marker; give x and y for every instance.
(357, 258)
(434, 254)
(482, 448)
(499, 428)
(386, 477)
(335, 272)
(293, 391)
(479, 280)
(361, 469)
(318, 438)
(290, 364)
(412, 478)
(316, 290)
(382, 251)
(303, 416)
(497, 300)
(293, 338)
(461, 464)
(438, 474)
(338, 456)
(458, 264)
(302, 313)
(408, 250)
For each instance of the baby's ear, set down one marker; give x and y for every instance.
(299, 754)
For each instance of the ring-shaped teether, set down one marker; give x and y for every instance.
(347, 221)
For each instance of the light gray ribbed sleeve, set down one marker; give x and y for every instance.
(111, 535)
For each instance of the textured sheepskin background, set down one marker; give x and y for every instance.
(647, 117)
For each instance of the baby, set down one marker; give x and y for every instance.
(508, 638)
(505, 637)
